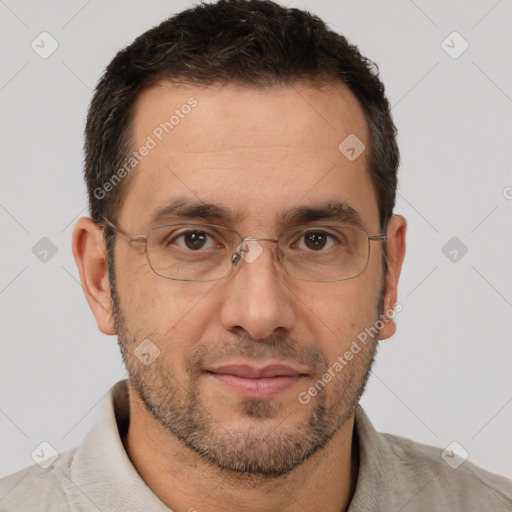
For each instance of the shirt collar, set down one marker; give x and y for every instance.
(101, 468)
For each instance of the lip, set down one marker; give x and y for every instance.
(251, 372)
(256, 383)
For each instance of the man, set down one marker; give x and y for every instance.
(241, 166)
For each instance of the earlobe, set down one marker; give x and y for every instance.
(395, 246)
(89, 254)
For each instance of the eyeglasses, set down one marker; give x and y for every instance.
(207, 252)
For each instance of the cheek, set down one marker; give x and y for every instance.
(162, 309)
(339, 314)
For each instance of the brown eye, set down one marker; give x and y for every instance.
(194, 239)
(315, 240)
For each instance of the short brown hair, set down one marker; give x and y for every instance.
(249, 42)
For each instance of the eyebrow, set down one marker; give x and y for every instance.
(183, 208)
(332, 211)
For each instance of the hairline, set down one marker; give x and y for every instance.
(322, 82)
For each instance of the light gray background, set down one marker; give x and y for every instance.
(446, 374)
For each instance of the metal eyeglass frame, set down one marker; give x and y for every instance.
(235, 258)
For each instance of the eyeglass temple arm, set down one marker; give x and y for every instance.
(112, 226)
(383, 236)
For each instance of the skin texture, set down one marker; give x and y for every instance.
(196, 442)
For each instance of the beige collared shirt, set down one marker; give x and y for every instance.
(395, 475)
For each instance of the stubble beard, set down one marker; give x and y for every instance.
(257, 452)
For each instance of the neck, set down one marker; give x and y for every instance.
(184, 480)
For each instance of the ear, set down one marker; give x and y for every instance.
(395, 246)
(90, 256)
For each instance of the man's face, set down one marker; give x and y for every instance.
(257, 153)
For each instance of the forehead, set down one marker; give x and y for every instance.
(255, 152)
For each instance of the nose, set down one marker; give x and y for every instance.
(257, 298)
